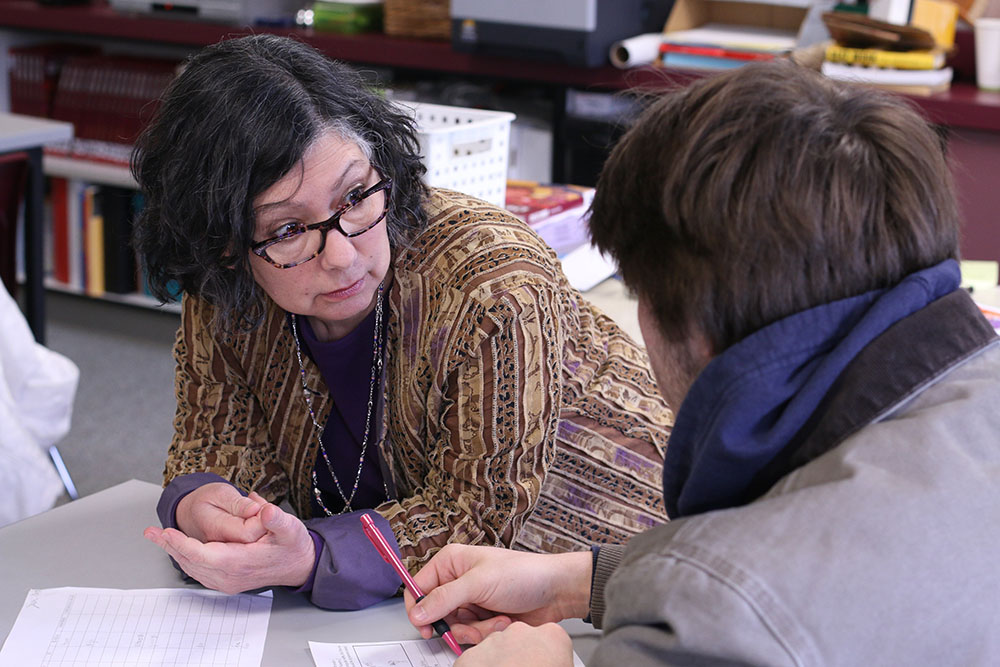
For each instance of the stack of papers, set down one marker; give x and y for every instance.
(559, 214)
(916, 82)
(723, 46)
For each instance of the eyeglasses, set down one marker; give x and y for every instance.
(300, 243)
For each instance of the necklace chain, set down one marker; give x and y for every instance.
(307, 394)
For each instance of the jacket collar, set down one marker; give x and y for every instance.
(906, 358)
(761, 398)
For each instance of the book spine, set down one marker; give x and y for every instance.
(535, 217)
(95, 247)
(690, 61)
(60, 229)
(119, 260)
(26, 83)
(87, 238)
(74, 218)
(715, 52)
(882, 58)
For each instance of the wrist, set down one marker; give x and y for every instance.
(304, 584)
(574, 574)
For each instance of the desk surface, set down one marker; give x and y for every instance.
(19, 132)
(97, 542)
(988, 297)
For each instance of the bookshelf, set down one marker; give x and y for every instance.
(971, 117)
(88, 170)
(964, 106)
(133, 299)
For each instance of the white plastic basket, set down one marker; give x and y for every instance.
(464, 149)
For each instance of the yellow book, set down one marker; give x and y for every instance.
(94, 246)
(938, 17)
(882, 58)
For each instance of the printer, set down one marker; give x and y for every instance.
(575, 32)
(236, 12)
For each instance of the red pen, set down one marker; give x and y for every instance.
(376, 537)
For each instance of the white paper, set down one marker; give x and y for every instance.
(408, 653)
(425, 653)
(97, 627)
(887, 76)
(635, 51)
(585, 266)
(734, 36)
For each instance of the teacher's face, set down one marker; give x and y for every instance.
(336, 290)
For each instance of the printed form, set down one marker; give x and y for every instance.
(94, 627)
(409, 653)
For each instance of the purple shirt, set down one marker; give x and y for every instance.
(346, 367)
(348, 572)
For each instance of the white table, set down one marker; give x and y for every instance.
(28, 134)
(97, 542)
(988, 297)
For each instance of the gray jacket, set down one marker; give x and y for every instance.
(884, 549)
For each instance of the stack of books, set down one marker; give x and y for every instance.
(907, 59)
(912, 72)
(88, 248)
(559, 213)
(108, 98)
(723, 46)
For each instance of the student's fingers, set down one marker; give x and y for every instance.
(442, 601)
(521, 644)
(472, 613)
(466, 615)
(476, 631)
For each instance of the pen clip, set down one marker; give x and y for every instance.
(375, 536)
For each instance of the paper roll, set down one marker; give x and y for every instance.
(635, 51)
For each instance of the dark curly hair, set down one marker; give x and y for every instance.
(238, 118)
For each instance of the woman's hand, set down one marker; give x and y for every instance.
(282, 555)
(480, 590)
(217, 512)
(521, 644)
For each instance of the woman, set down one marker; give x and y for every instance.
(418, 352)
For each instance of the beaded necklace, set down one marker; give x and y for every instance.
(307, 394)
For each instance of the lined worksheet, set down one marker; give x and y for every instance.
(168, 627)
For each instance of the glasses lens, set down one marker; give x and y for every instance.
(363, 212)
(296, 248)
(304, 245)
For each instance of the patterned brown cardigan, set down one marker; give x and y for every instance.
(513, 413)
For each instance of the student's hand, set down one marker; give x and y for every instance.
(217, 512)
(519, 645)
(283, 556)
(480, 590)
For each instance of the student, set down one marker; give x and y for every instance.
(833, 476)
(353, 340)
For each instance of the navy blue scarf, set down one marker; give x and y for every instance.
(752, 399)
